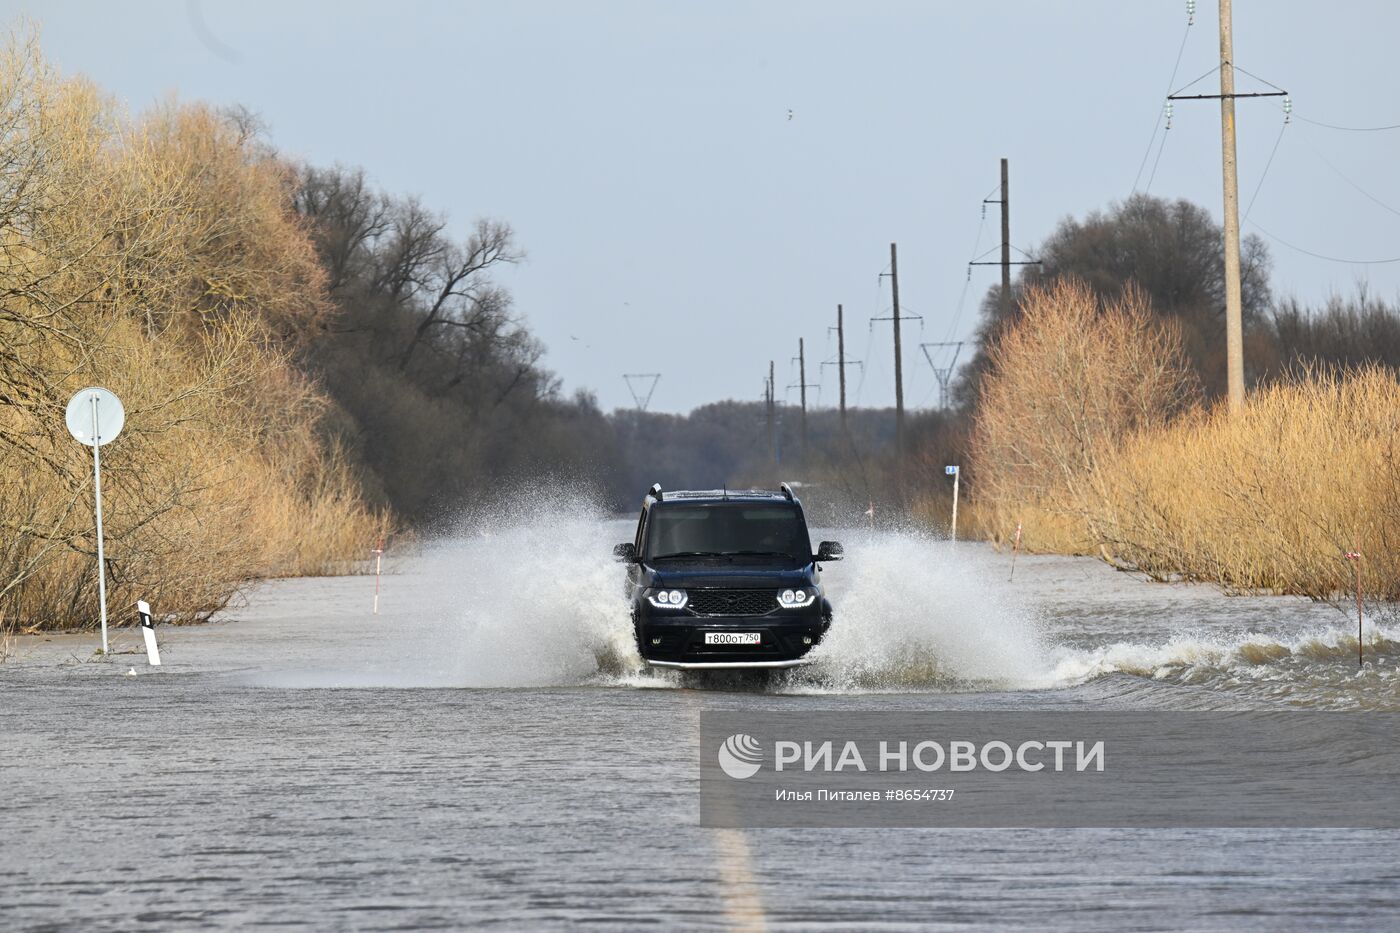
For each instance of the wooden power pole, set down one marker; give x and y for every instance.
(1004, 299)
(1005, 243)
(841, 362)
(1234, 326)
(772, 440)
(898, 360)
(802, 380)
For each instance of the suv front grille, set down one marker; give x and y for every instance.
(733, 602)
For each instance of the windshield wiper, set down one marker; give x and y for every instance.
(756, 554)
(688, 554)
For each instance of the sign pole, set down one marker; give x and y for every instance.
(97, 487)
(99, 425)
(955, 473)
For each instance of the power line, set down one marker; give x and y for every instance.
(1340, 174)
(1190, 21)
(1343, 176)
(1265, 173)
(1308, 252)
(1157, 161)
(1349, 129)
(967, 279)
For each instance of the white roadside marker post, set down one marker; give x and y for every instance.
(378, 563)
(954, 472)
(148, 632)
(95, 417)
(1015, 547)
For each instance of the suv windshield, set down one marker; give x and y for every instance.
(676, 531)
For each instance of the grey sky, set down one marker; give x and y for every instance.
(678, 221)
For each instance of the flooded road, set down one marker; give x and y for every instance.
(487, 751)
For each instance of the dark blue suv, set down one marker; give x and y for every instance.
(725, 579)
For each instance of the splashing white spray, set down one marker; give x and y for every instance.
(912, 611)
(536, 597)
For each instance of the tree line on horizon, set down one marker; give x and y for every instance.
(310, 363)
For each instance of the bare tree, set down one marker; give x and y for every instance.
(464, 295)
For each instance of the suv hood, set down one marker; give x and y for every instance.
(724, 576)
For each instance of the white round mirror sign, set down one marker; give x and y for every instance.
(94, 410)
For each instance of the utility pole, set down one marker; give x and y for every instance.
(802, 380)
(898, 358)
(898, 361)
(801, 360)
(841, 362)
(772, 446)
(1004, 299)
(1005, 243)
(1234, 326)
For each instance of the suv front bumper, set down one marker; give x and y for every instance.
(678, 640)
(728, 665)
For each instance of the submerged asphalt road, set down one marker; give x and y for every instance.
(481, 756)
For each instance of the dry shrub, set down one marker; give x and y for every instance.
(1271, 499)
(1082, 437)
(159, 258)
(1068, 383)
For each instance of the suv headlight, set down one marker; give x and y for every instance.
(669, 599)
(797, 599)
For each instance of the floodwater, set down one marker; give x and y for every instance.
(487, 751)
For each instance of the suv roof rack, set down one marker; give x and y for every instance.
(655, 491)
(787, 491)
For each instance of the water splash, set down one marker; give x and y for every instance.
(1315, 668)
(540, 598)
(529, 596)
(913, 611)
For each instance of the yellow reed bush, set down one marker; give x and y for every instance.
(1271, 499)
(1070, 381)
(159, 257)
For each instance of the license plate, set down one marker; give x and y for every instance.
(732, 638)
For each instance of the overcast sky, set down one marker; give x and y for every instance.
(678, 220)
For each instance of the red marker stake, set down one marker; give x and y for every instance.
(1355, 556)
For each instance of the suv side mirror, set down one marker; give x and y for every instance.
(829, 551)
(626, 552)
